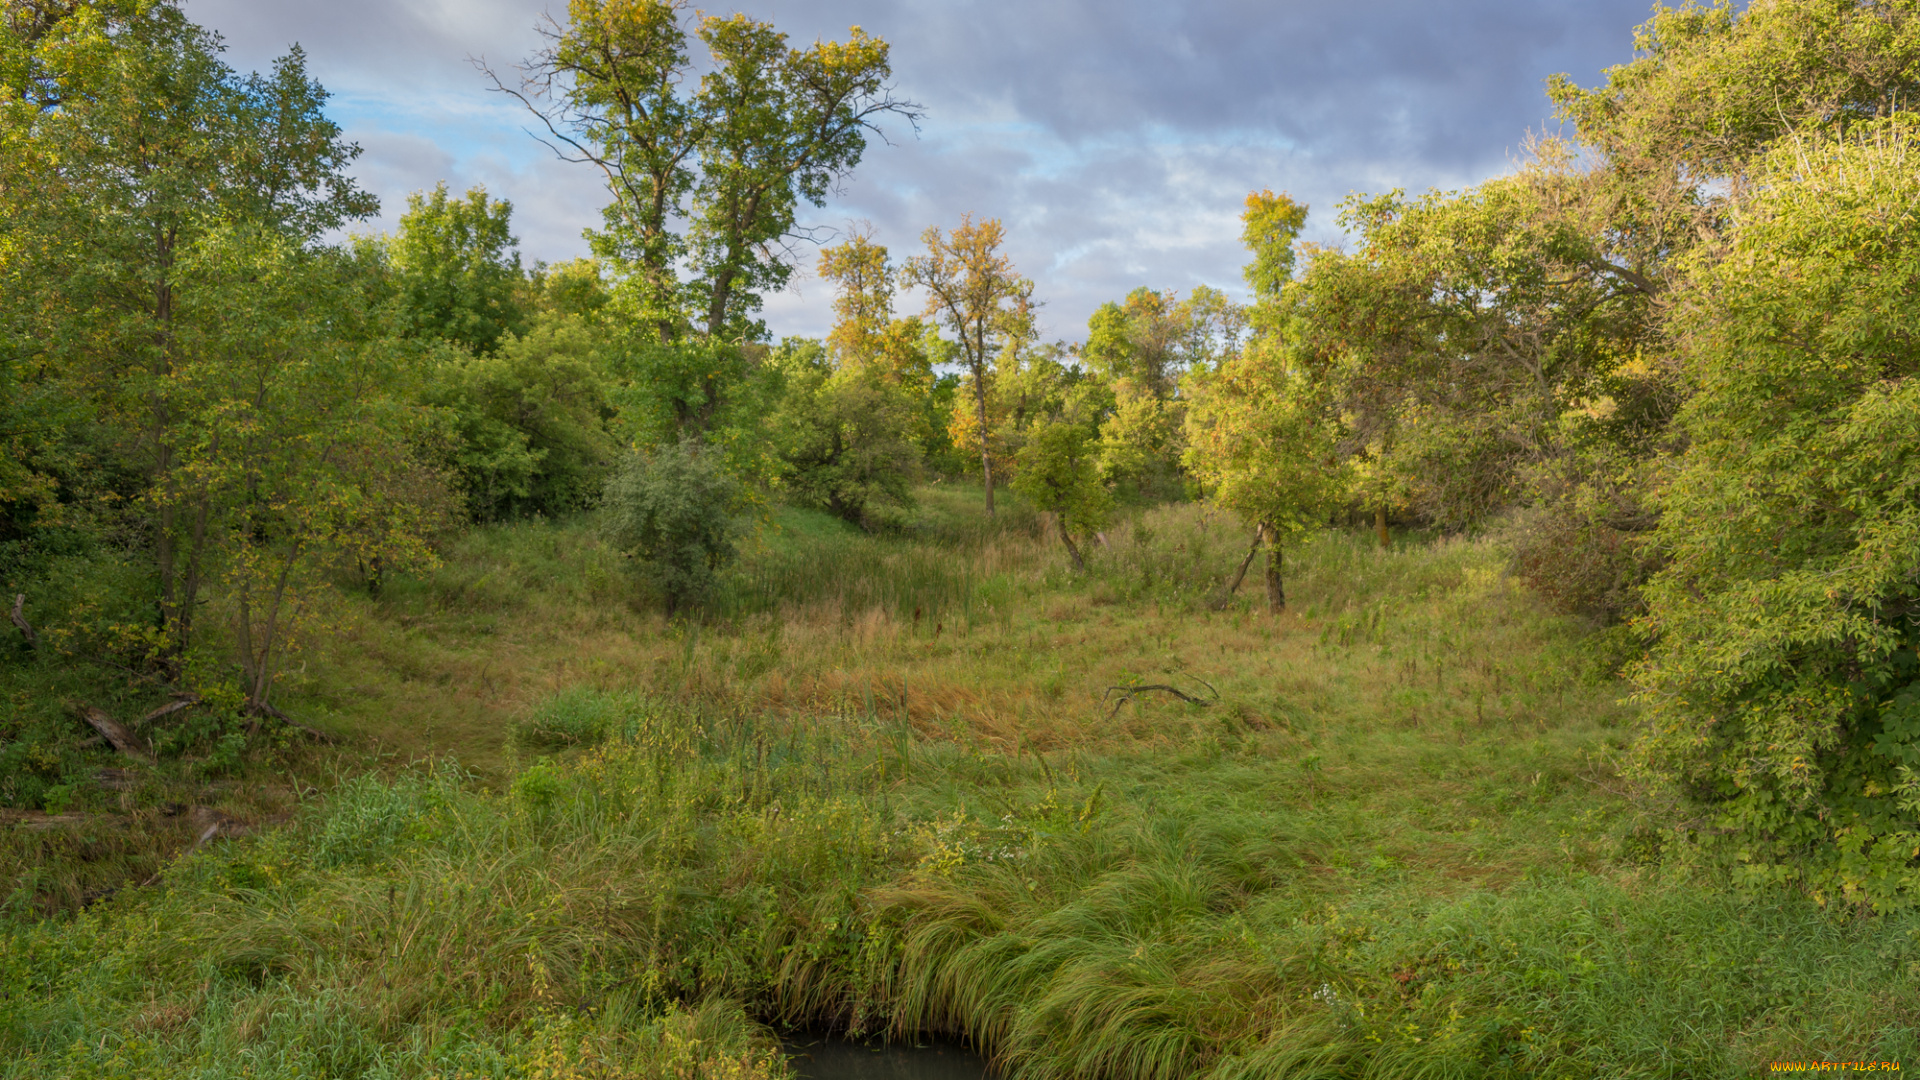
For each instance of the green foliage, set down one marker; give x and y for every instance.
(674, 511)
(577, 287)
(1260, 437)
(1059, 472)
(574, 718)
(973, 290)
(706, 172)
(1479, 341)
(529, 422)
(844, 438)
(458, 276)
(701, 388)
(1778, 687)
(1151, 338)
(1269, 226)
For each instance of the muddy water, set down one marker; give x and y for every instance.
(824, 1059)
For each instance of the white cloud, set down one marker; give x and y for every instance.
(1116, 138)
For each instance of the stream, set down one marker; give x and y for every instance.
(832, 1059)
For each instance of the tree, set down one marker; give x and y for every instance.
(141, 145)
(1269, 225)
(294, 436)
(844, 437)
(1782, 694)
(864, 282)
(1058, 469)
(673, 509)
(458, 273)
(764, 128)
(1264, 444)
(1143, 347)
(1262, 434)
(529, 421)
(973, 288)
(865, 333)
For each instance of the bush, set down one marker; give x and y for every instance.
(529, 422)
(845, 441)
(1782, 691)
(674, 511)
(1581, 567)
(575, 717)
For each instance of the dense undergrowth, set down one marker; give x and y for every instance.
(1394, 844)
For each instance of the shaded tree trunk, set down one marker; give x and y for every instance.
(1380, 523)
(986, 453)
(1276, 592)
(1240, 575)
(1073, 549)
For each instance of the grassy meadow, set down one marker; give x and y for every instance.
(886, 786)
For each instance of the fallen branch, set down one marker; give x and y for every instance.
(110, 729)
(261, 708)
(1127, 693)
(185, 701)
(20, 620)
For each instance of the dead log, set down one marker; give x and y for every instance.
(112, 730)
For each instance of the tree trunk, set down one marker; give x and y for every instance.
(980, 412)
(1380, 523)
(1073, 549)
(1241, 574)
(1276, 593)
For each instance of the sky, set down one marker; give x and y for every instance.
(1115, 139)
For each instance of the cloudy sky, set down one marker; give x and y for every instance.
(1115, 138)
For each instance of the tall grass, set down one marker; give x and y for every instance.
(1394, 845)
(1073, 919)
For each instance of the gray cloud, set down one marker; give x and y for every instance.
(1116, 139)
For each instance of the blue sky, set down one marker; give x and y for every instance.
(1115, 138)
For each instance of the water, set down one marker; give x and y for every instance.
(827, 1059)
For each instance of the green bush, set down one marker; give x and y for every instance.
(528, 422)
(574, 717)
(1780, 688)
(674, 511)
(845, 441)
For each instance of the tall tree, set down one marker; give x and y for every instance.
(709, 174)
(458, 269)
(146, 144)
(1262, 432)
(972, 286)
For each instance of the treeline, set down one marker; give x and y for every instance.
(1669, 356)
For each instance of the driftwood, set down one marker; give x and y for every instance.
(1127, 693)
(112, 730)
(19, 617)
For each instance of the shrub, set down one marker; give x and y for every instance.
(529, 422)
(1780, 690)
(673, 510)
(845, 442)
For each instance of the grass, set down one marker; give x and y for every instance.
(1396, 844)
